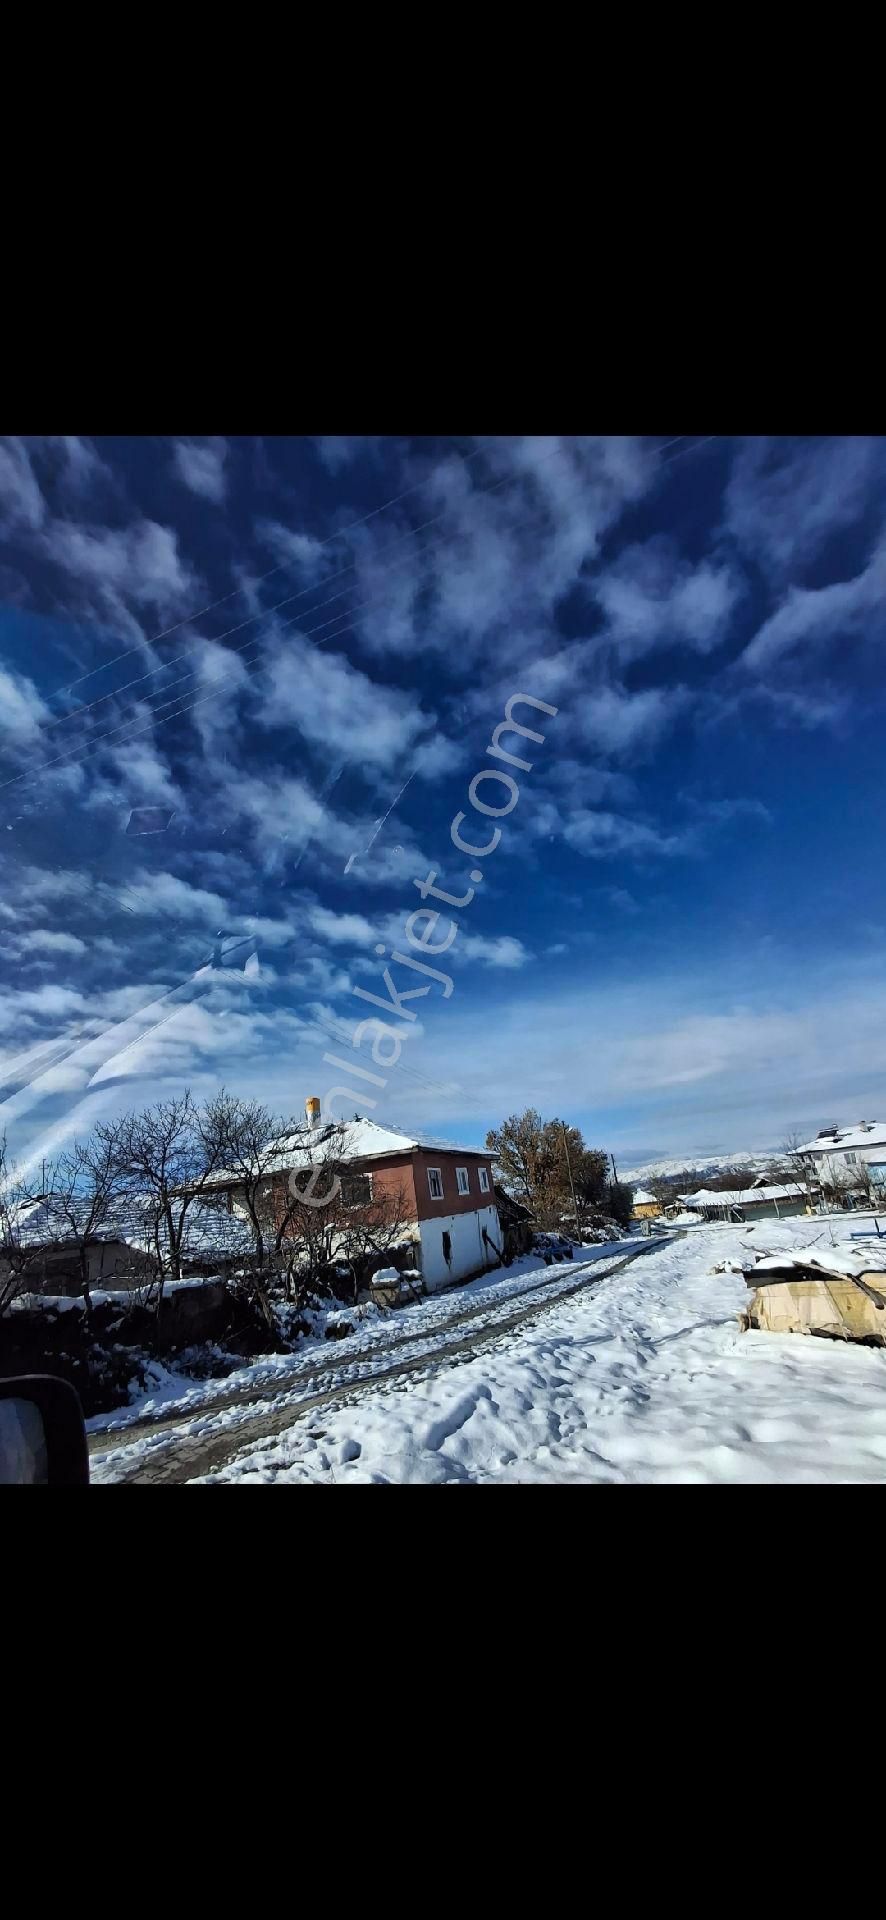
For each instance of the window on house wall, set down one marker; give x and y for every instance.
(447, 1249)
(484, 1180)
(435, 1183)
(356, 1189)
(851, 1159)
(463, 1183)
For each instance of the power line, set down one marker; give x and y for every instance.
(265, 613)
(187, 705)
(280, 568)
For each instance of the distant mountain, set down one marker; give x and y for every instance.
(693, 1163)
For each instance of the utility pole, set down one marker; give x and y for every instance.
(614, 1170)
(571, 1185)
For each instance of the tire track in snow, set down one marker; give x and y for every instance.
(181, 1454)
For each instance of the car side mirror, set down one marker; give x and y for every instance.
(42, 1433)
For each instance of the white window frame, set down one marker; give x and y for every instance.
(484, 1179)
(438, 1173)
(459, 1171)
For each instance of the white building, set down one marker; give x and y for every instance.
(836, 1153)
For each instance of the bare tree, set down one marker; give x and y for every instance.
(865, 1184)
(371, 1226)
(20, 1253)
(798, 1161)
(84, 1185)
(165, 1157)
(662, 1191)
(252, 1145)
(309, 1204)
(327, 1212)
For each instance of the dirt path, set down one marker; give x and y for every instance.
(182, 1454)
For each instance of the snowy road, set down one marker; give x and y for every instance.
(186, 1439)
(636, 1372)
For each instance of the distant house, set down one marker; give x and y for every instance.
(444, 1193)
(645, 1204)
(838, 1153)
(56, 1262)
(759, 1202)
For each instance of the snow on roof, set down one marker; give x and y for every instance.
(741, 1196)
(871, 1133)
(360, 1139)
(644, 1199)
(843, 1258)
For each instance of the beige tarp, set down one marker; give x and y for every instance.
(828, 1306)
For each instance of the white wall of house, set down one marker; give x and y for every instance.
(468, 1248)
(841, 1162)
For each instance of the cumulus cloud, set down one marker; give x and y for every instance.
(201, 465)
(48, 940)
(335, 705)
(348, 929)
(496, 950)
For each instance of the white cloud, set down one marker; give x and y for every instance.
(786, 498)
(349, 929)
(44, 939)
(339, 450)
(335, 706)
(166, 895)
(22, 709)
(202, 467)
(816, 617)
(601, 835)
(21, 498)
(653, 598)
(498, 558)
(626, 725)
(122, 566)
(498, 950)
(310, 559)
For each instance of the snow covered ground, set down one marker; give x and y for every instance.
(644, 1376)
(375, 1333)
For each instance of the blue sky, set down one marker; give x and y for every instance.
(249, 646)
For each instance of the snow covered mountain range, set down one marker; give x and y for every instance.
(752, 1163)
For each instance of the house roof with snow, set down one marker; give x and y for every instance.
(742, 1196)
(348, 1140)
(643, 1198)
(866, 1133)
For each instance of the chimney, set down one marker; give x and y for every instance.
(312, 1109)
